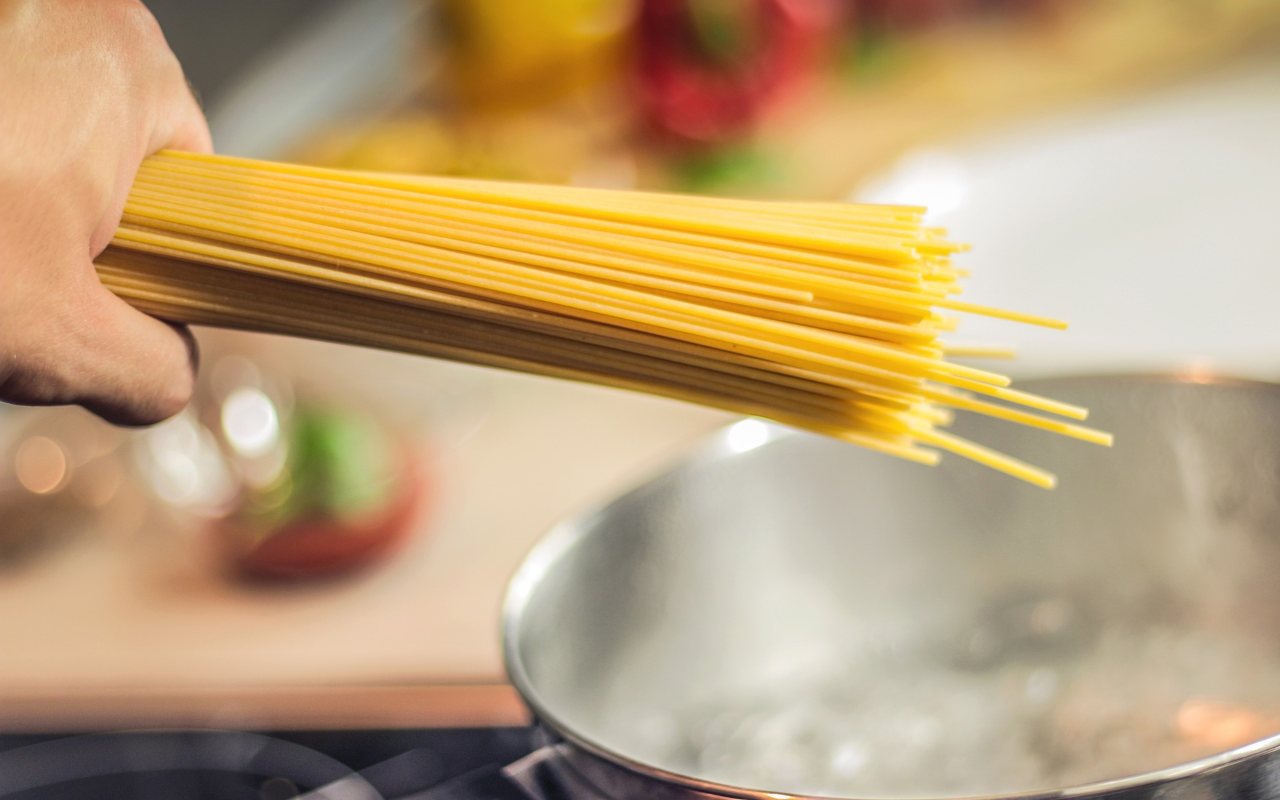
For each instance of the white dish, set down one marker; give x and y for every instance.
(1152, 226)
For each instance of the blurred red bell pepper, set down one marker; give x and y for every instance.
(709, 70)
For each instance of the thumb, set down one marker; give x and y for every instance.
(142, 370)
(125, 366)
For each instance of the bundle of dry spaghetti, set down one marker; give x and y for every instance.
(823, 316)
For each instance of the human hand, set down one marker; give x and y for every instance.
(88, 88)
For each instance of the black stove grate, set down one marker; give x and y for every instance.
(230, 765)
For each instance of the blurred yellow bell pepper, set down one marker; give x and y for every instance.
(518, 52)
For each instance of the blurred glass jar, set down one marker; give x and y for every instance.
(298, 475)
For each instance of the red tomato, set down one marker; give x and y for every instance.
(321, 547)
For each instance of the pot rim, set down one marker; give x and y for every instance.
(565, 535)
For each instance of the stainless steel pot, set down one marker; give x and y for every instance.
(1127, 623)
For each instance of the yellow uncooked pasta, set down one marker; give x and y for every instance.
(823, 316)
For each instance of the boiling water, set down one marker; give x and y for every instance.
(1052, 703)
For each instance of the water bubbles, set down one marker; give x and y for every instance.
(1024, 627)
(848, 759)
(1042, 686)
(1057, 699)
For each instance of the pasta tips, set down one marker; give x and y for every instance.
(823, 316)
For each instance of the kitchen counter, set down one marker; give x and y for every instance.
(146, 631)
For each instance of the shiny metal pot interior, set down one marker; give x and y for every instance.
(773, 558)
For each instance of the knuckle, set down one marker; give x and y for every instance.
(136, 20)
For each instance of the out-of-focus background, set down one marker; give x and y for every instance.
(324, 537)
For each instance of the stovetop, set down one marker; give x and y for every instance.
(235, 765)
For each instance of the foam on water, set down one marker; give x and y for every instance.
(1044, 699)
